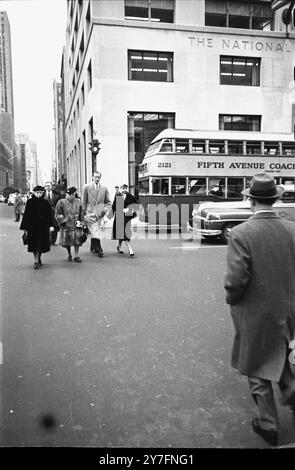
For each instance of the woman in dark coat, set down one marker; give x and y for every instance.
(123, 208)
(37, 222)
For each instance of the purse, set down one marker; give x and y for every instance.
(82, 227)
(25, 238)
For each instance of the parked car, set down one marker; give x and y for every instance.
(2, 198)
(216, 219)
(11, 199)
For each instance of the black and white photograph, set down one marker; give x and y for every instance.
(147, 227)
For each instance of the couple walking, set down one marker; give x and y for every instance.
(39, 222)
(96, 204)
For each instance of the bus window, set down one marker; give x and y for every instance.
(235, 147)
(216, 146)
(154, 147)
(182, 146)
(178, 185)
(198, 146)
(167, 145)
(216, 186)
(287, 180)
(197, 185)
(234, 187)
(288, 149)
(271, 148)
(144, 186)
(253, 148)
(160, 185)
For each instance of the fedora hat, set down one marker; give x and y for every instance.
(263, 186)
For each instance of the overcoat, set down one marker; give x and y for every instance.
(121, 224)
(18, 204)
(260, 286)
(36, 221)
(67, 215)
(94, 202)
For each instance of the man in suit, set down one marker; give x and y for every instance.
(96, 204)
(260, 288)
(52, 197)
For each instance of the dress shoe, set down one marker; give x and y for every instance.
(77, 259)
(70, 258)
(271, 437)
(36, 265)
(100, 253)
(40, 262)
(131, 255)
(119, 250)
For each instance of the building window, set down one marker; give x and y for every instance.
(252, 14)
(150, 66)
(229, 122)
(150, 10)
(239, 71)
(89, 76)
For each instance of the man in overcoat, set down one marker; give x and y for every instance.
(96, 204)
(18, 203)
(260, 288)
(52, 196)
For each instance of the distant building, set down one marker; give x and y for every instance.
(28, 169)
(133, 68)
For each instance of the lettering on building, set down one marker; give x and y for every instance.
(240, 44)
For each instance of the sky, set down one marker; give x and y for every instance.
(38, 32)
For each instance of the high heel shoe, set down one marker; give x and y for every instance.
(119, 251)
(70, 258)
(77, 259)
(131, 255)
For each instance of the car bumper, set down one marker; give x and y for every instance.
(207, 232)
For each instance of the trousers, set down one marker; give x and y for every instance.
(262, 393)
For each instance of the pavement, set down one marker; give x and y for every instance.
(121, 352)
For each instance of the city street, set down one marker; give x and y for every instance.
(120, 351)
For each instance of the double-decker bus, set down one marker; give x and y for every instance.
(184, 167)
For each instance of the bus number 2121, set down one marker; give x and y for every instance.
(164, 165)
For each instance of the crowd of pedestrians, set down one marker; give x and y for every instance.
(259, 280)
(48, 212)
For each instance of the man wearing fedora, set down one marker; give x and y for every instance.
(260, 289)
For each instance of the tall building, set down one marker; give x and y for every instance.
(7, 149)
(134, 67)
(28, 168)
(59, 168)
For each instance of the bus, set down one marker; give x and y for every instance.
(182, 168)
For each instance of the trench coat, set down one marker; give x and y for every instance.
(36, 221)
(94, 202)
(260, 288)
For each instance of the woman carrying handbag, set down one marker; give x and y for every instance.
(37, 222)
(68, 213)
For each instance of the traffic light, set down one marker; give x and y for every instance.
(94, 146)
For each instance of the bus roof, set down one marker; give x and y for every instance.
(222, 135)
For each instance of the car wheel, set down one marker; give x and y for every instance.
(226, 232)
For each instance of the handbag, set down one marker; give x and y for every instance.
(25, 238)
(82, 227)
